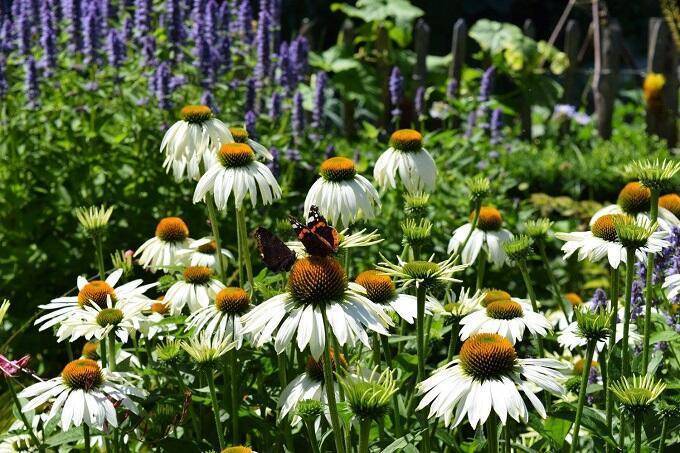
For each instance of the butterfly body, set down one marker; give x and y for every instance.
(318, 238)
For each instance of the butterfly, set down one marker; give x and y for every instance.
(318, 237)
(275, 254)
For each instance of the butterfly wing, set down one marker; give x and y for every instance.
(275, 254)
(319, 226)
(314, 244)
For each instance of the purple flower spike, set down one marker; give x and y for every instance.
(23, 26)
(599, 300)
(262, 43)
(250, 120)
(91, 34)
(142, 17)
(161, 86)
(245, 20)
(174, 24)
(496, 125)
(419, 101)
(115, 48)
(31, 81)
(275, 106)
(48, 38)
(298, 121)
(396, 88)
(486, 84)
(274, 164)
(319, 99)
(452, 88)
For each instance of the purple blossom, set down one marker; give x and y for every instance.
(127, 29)
(12, 368)
(262, 43)
(207, 98)
(225, 52)
(419, 101)
(396, 88)
(486, 84)
(115, 48)
(293, 155)
(251, 94)
(637, 300)
(176, 82)
(661, 346)
(285, 76)
(244, 21)
(319, 99)
(48, 38)
(23, 26)
(451, 88)
(142, 17)
(329, 152)
(250, 121)
(206, 64)
(471, 123)
(599, 300)
(496, 125)
(274, 164)
(298, 51)
(174, 25)
(209, 26)
(298, 116)
(6, 36)
(107, 12)
(31, 82)
(91, 34)
(4, 86)
(161, 85)
(275, 106)
(148, 50)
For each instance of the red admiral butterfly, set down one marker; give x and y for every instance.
(275, 254)
(319, 238)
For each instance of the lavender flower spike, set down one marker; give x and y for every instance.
(263, 53)
(319, 99)
(298, 121)
(486, 84)
(396, 88)
(48, 38)
(31, 82)
(91, 33)
(250, 120)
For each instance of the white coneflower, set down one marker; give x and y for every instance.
(465, 303)
(205, 350)
(488, 376)
(84, 393)
(634, 199)
(379, 288)
(94, 293)
(602, 241)
(672, 286)
(573, 337)
(407, 159)
(317, 292)
(223, 317)
(202, 252)
(94, 219)
(95, 322)
(508, 318)
(237, 172)
(154, 325)
(670, 202)
(347, 241)
(189, 140)
(196, 290)
(240, 135)
(309, 385)
(488, 235)
(429, 274)
(342, 195)
(160, 252)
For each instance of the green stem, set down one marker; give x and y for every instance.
(532, 297)
(216, 409)
(375, 345)
(553, 281)
(364, 432)
(649, 288)
(492, 432)
(330, 391)
(481, 269)
(235, 399)
(86, 437)
(99, 252)
(637, 422)
(215, 226)
(311, 434)
(192, 415)
(111, 345)
(453, 341)
(614, 297)
(420, 332)
(396, 425)
(630, 269)
(243, 233)
(28, 427)
(590, 349)
(664, 433)
(506, 429)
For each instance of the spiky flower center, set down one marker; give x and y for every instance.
(580, 364)
(379, 286)
(90, 351)
(421, 269)
(490, 219)
(82, 374)
(237, 449)
(631, 233)
(240, 134)
(233, 155)
(338, 169)
(109, 317)
(487, 356)
(407, 140)
(232, 300)
(634, 198)
(317, 280)
(493, 296)
(604, 228)
(96, 292)
(314, 368)
(160, 307)
(671, 202)
(504, 309)
(209, 248)
(195, 113)
(172, 229)
(573, 299)
(197, 275)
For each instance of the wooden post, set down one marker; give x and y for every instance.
(382, 46)
(458, 50)
(525, 104)
(662, 58)
(421, 45)
(605, 78)
(572, 42)
(349, 107)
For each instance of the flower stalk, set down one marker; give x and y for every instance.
(649, 288)
(492, 433)
(364, 432)
(330, 393)
(216, 408)
(590, 349)
(24, 420)
(609, 400)
(214, 225)
(630, 269)
(244, 253)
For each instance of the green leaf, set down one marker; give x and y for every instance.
(664, 335)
